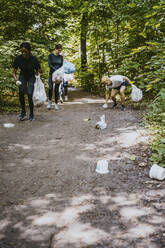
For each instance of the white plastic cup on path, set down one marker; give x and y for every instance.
(8, 125)
(157, 172)
(102, 166)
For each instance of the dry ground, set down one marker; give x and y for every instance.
(51, 195)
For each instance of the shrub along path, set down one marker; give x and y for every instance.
(51, 195)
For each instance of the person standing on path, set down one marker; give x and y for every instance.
(55, 61)
(117, 83)
(29, 67)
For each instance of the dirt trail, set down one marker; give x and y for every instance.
(51, 194)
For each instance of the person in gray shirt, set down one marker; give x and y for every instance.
(117, 83)
(55, 61)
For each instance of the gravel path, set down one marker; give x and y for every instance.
(51, 195)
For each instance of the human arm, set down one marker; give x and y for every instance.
(15, 74)
(107, 95)
(127, 79)
(50, 62)
(37, 67)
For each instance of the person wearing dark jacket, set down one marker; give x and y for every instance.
(55, 61)
(29, 68)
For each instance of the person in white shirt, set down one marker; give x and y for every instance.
(118, 84)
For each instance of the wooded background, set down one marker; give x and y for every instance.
(100, 37)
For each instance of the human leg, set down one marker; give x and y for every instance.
(65, 83)
(122, 94)
(56, 93)
(50, 82)
(31, 82)
(22, 89)
(61, 92)
(113, 96)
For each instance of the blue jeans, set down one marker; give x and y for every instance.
(27, 84)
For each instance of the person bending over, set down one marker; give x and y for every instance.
(117, 84)
(29, 67)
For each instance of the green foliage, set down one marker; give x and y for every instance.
(156, 116)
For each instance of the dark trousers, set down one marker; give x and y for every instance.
(27, 84)
(56, 89)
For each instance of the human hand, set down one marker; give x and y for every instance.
(18, 83)
(105, 105)
(37, 76)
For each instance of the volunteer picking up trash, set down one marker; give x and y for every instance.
(118, 84)
(29, 69)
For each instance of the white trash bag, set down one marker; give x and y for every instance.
(58, 75)
(68, 77)
(102, 166)
(157, 172)
(39, 94)
(101, 124)
(136, 94)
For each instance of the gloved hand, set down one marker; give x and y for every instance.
(18, 83)
(105, 105)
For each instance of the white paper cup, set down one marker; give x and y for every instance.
(102, 166)
(157, 172)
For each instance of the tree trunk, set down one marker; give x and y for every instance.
(84, 24)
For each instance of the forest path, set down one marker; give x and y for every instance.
(51, 194)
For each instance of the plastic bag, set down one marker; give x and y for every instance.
(157, 172)
(68, 77)
(68, 67)
(101, 124)
(39, 94)
(136, 94)
(58, 75)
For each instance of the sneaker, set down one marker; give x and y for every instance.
(56, 107)
(114, 105)
(22, 117)
(105, 105)
(122, 107)
(61, 100)
(49, 105)
(31, 118)
(66, 98)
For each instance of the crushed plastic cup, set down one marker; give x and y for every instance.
(8, 125)
(157, 172)
(102, 167)
(101, 124)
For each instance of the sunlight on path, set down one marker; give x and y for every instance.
(70, 227)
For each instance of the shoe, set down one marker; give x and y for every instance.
(56, 107)
(122, 107)
(49, 105)
(22, 117)
(61, 100)
(105, 105)
(31, 118)
(114, 105)
(66, 98)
